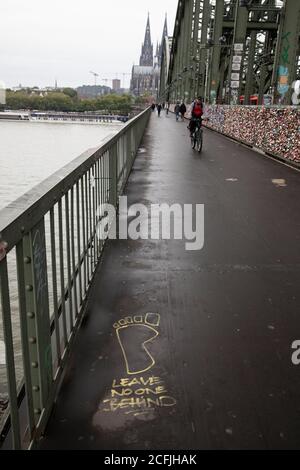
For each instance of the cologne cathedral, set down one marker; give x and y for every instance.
(145, 76)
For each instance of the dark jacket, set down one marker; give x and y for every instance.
(183, 108)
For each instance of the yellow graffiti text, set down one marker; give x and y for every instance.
(137, 396)
(140, 381)
(136, 404)
(127, 392)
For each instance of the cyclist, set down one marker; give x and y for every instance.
(196, 114)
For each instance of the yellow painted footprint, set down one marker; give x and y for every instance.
(134, 333)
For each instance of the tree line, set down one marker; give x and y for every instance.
(67, 101)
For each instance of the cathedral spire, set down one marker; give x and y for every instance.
(165, 31)
(164, 34)
(147, 48)
(148, 31)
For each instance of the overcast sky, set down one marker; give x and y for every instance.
(41, 40)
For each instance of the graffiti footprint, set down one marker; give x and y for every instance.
(134, 333)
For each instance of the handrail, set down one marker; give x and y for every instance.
(49, 251)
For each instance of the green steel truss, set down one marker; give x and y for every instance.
(233, 52)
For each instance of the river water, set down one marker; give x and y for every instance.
(32, 151)
(29, 153)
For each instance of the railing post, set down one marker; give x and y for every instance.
(9, 354)
(113, 177)
(24, 337)
(38, 319)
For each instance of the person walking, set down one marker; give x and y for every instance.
(177, 110)
(182, 110)
(159, 108)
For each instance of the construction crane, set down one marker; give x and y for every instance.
(96, 75)
(124, 75)
(106, 80)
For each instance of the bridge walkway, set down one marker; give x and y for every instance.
(192, 349)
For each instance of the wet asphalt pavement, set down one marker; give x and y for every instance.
(192, 349)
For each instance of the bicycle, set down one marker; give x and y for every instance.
(197, 137)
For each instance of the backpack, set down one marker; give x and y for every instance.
(197, 110)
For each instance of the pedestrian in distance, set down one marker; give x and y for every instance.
(159, 108)
(153, 107)
(177, 110)
(182, 110)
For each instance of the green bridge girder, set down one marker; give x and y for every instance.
(233, 52)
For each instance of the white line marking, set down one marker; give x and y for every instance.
(279, 183)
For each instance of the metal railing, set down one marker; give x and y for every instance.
(49, 250)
